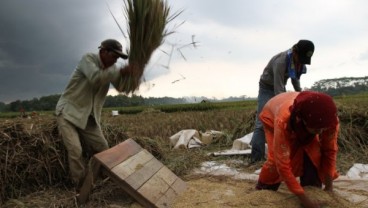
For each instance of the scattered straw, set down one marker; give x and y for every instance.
(33, 157)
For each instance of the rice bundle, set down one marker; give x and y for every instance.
(147, 21)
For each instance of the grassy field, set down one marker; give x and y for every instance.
(359, 100)
(33, 156)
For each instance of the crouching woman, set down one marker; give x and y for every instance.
(301, 130)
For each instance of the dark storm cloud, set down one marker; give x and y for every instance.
(41, 41)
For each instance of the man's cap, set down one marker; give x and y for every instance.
(113, 45)
(305, 49)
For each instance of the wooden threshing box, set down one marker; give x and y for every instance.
(138, 173)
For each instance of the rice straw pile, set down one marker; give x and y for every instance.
(147, 21)
(33, 156)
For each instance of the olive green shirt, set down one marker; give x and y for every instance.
(86, 91)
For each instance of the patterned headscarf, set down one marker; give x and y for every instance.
(318, 110)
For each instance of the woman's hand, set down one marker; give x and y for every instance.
(328, 184)
(308, 203)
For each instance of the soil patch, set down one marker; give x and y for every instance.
(202, 192)
(226, 192)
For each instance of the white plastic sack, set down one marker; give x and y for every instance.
(184, 139)
(243, 142)
(209, 136)
(358, 171)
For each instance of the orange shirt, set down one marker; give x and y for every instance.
(285, 157)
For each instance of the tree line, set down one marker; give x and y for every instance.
(48, 103)
(342, 86)
(333, 87)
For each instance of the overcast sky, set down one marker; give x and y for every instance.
(41, 41)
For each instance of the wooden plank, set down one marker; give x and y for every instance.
(179, 186)
(128, 189)
(167, 175)
(132, 164)
(167, 199)
(154, 189)
(138, 173)
(142, 175)
(91, 176)
(117, 154)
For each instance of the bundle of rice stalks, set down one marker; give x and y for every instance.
(147, 22)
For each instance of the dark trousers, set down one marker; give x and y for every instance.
(258, 139)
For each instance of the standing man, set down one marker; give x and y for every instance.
(288, 64)
(301, 130)
(79, 107)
